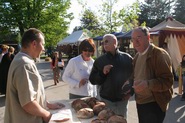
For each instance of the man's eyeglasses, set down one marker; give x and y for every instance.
(138, 38)
(106, 41)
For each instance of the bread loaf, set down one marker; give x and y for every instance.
(79, 104)
(99, 107)
(116, 119)
(85, 113)
(92, 101)
(105, 114)
(73, 104)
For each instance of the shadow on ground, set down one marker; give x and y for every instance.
(2, 100)
(176, 108)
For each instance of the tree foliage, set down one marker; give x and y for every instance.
(109, 16)
(50, 16)
(154, 11)
(122, 20)
(129, 17)
(179, 11)
(90, 21)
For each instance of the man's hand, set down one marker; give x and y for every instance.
(140, 85)
(107, 68)
(47, 117)
(35, 109)
(126, 89)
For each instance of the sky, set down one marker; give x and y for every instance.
(77, 9)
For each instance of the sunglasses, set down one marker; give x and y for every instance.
(106, 41)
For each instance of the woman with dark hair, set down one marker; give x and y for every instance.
(77, 72)
(183, 77)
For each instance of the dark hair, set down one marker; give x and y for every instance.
(144, 30)
(11, 49)
(29, 36)
(183, 57)
(87, 44)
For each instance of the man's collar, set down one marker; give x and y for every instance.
(143, 53)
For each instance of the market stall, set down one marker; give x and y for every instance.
(170, 35)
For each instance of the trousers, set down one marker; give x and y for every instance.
(150, 113)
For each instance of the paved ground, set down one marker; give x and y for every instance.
(175, 114)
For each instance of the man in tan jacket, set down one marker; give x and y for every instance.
(153, 78)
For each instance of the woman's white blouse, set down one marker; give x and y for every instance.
(76, 70)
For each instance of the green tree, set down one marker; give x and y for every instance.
(108, 15)
(113, 20)
(90, 21)
(50, 16)
(109, 18)
(179, 11)
(154, 12)
(129, 17)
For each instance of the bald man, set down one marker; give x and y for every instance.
(111, 72)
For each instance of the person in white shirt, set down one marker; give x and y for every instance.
(77, 72)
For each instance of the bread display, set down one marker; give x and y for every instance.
(87, 108)
(85, 113)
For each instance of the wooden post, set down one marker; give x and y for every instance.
(180, 80)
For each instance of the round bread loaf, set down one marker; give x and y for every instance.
(77, 101)
(79, 104)
(85, 113)
(117, 119)
(92, 101)
(105, 114)
(99, 107)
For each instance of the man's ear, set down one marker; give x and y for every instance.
(34, 43)
(149, 36)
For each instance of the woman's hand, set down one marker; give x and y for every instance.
(83, 82)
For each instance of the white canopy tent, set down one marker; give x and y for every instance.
(74, 38)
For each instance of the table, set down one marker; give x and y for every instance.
(73, 118)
